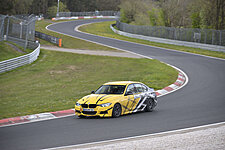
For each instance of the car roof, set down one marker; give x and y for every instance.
(120, 83)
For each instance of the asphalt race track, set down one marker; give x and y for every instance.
(200, 102)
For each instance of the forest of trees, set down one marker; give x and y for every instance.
(171, 13)
(175, 13)
(12, 7)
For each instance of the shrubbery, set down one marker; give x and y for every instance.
(174, 13)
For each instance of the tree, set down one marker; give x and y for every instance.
(6, 7)
(196, 20)
(142, 12)
(128, 10)
(103, 5)
(53, 10)
(21, 6)
(211, 13)
(13, 7)
(177, 13)
(220, 9)
(92, 5)
(157, 17)
(39, 7)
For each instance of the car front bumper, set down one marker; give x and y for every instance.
(98, 111)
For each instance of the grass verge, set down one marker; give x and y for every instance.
(103, 29)
(56, 80)
(67, 41)
(7, 52)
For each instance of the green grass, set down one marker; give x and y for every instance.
(103, 29)
(27, 50)
(7, 52)
(56, 80)
(67, 41)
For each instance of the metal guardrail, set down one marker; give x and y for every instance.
(84, 17)
(92, 13)
(49, 38)
(19, 61)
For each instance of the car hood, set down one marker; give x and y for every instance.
(99, 99)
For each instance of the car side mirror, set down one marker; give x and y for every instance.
(92, 92)
(129, 93)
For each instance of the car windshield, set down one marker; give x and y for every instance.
(111, 89)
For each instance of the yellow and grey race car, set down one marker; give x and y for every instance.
(113, 99)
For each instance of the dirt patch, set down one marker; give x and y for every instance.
(15, 48)
(72, 67)
(57, 72)
(68, 69)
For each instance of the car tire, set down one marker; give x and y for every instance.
(149, 105)
(116, 110)
(81, 116)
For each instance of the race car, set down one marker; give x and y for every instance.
(114, 99)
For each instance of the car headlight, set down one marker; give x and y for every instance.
(78, 104)
(105, 105)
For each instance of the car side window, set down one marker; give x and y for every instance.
(139, 88)
(131, 88)
(145, 89)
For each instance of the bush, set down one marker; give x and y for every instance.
(53, 10)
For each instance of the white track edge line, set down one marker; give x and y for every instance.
(32, 121)
(140, 136)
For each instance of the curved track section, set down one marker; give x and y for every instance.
(200, 102)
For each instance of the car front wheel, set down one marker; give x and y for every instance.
(116, 110)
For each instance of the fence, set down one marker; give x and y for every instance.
(20, 30)
(205, 36)
(2, 24)
(93, 13)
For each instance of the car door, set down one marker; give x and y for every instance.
(139, 97)
(129, 101)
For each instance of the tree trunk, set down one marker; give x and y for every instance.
(217, 14)
(222, 26)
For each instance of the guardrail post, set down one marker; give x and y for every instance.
(2, 29)
(212, 37)
(205, 36)
(7, 29)
(21, 29)
(25, 45)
